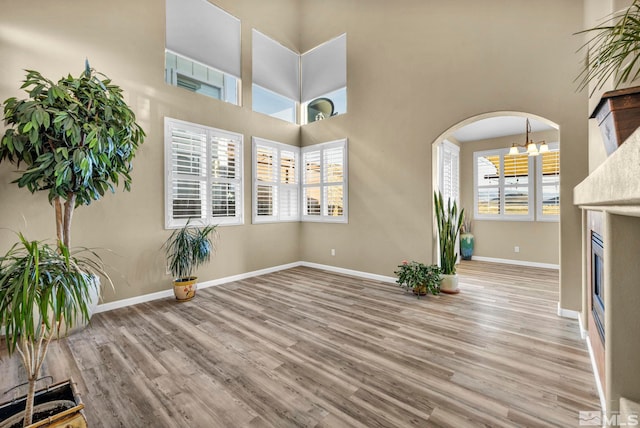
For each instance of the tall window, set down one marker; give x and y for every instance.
(324, 182)
(548, 180)
(203, 174)
(202, 51)
(505, 185)
(276, 187)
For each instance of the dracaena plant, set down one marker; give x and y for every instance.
(76, 138)
(449, 222)
(189, 247)
(44, 290)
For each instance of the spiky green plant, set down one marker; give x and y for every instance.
(449, 222)
(43, 291)
(187, 248)
(613, 51)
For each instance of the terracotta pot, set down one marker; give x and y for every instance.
(420, 290)
(185, 288)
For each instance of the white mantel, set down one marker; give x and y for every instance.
(616, 183)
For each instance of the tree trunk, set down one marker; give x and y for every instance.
(28, 409)
(58, 206)
(69, 206)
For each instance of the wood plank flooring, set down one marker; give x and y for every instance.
(308, 348)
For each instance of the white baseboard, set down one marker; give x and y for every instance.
(583, 332)
(168, 293)
(516, 262)
(365, 275)
(596, 375)
(568, 313)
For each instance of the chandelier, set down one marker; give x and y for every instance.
(531, 148)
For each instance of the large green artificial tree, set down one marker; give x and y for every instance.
(76, 138)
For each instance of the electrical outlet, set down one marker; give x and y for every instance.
(333, 251)
(516, 249)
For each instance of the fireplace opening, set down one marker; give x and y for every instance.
(597, 283)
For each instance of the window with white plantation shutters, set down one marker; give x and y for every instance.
(548, 184)
(204, 174)
(450, 171)
(504, 185)
(276, 184)
(324, 183)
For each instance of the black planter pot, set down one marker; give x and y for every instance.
(61, 396)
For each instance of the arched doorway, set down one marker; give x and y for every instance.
(513, 200)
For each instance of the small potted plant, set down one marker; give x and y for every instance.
(612, 52)
(44, 291)
(188, 248)
(418, 277)
(449, 222)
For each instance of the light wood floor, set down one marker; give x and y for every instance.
(304, 347)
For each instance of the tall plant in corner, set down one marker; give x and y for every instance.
(76, 138)
(449, 222)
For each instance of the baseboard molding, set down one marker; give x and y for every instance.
(206, 284)
(568, 313)
(516, 262)
(583, 332)
(365, 275)
(596, 375)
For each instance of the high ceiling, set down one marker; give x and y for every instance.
(499, 126)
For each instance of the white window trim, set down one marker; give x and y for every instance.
(344, 218)
(539, 215)
(501, 186)
(278, 218)
(238, 219)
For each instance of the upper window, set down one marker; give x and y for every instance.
(276, 186)
(504, 185)
(276, 78)
(548, 182)
(203, 174)
(324, 80)
(203, 49)
(324, 182)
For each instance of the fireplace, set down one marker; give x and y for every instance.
(597, 283)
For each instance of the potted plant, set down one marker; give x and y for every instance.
(613, 53)
(188, 248)
(420, 278)
(43, 291)
(76, 138)
(467, 240)
(449, 222)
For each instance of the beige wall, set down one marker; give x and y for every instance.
(538, 240)
(125, 40)
(415, 68)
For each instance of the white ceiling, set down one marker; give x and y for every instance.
(499, 126)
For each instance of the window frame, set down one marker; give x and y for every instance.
(210, 133)
(539, 187)
(322, 185)
(277, 184)
(501, 186)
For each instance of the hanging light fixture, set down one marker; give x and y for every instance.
(531, 148)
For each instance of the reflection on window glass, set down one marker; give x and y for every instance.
(331, 104)
(312, 201)
(195, 77)
(272, 104)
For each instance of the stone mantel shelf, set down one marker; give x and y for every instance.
(614, 185)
